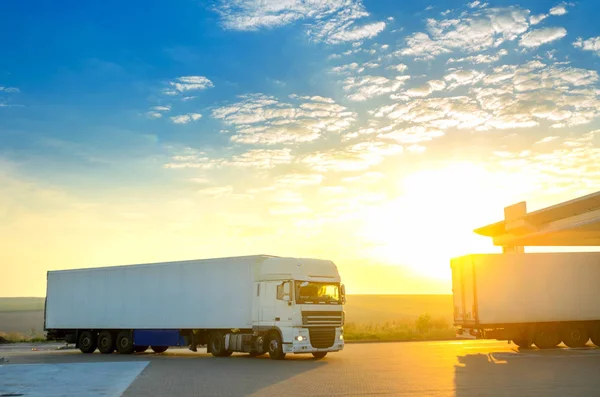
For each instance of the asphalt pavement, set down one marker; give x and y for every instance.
(457, 368)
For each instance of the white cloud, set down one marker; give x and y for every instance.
(569, 166)
(422, 47)
(365, 87)
(547, 139)
(314, 98)
(535, 19)
(261, 119)
(591, 44)
(10, 90)
(536, 38)
(154, 115)
(426, 89)
(346, 69)
(333, 21)
(473, 31)
(432, 115)
(188, 83)
(413, 135)
(299, 179)
(357, 157)
(462, 77)
(480, 58)
(256, 158)
(262, 158)
(186, 118)
(401, 68)
(358, 33)
(559, 10)
(162, 108)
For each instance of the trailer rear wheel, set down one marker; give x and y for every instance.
(575, 336)
(125, 342)
(522, 343)
(159, 349)
(547, 338)
(275, 346)
(216, 343)
(87, 342)
(140, 349)
(106, 342)
(319, 355)
(595, 336)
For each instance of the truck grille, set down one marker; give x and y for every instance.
(321, 338)
(322, 319)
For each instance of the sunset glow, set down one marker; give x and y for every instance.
(375, 135)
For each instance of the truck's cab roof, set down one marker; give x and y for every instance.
(284, 268)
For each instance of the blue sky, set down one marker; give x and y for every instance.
(289, 127)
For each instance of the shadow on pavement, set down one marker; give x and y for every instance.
(556, 372)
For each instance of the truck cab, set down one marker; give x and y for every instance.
(302, 301)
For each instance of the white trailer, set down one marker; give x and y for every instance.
(542, 299)
(253, 304)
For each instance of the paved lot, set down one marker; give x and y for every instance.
(470, 368)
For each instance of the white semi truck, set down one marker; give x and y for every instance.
(529, 298)
(254, 304)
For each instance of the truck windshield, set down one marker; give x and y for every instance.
(311, 292)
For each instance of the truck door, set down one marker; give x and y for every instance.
(283, 307)
(463, 290)
(267, 303)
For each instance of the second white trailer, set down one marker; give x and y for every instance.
(539, 299)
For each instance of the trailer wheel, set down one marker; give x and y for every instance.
(125, 342)
(547, 338)
(319, 355)
(159, 349)
(575, 336)
(87, 342)
(106, 342)
(216, 344)
(275, 346)
(522, 343)
(140, 349)
(595, 336)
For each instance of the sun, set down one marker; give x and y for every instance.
(434, 217)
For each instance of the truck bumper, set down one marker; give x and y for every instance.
(301, 342)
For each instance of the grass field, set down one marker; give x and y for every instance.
(379, 317)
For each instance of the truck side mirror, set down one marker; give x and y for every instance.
(343, 294)
(286, 289)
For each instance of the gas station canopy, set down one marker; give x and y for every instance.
(572, 223)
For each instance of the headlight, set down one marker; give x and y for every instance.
(300, 338)
(341, 337)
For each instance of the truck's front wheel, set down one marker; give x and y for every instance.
(275, 345)
(87, 342)
(319, 355)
